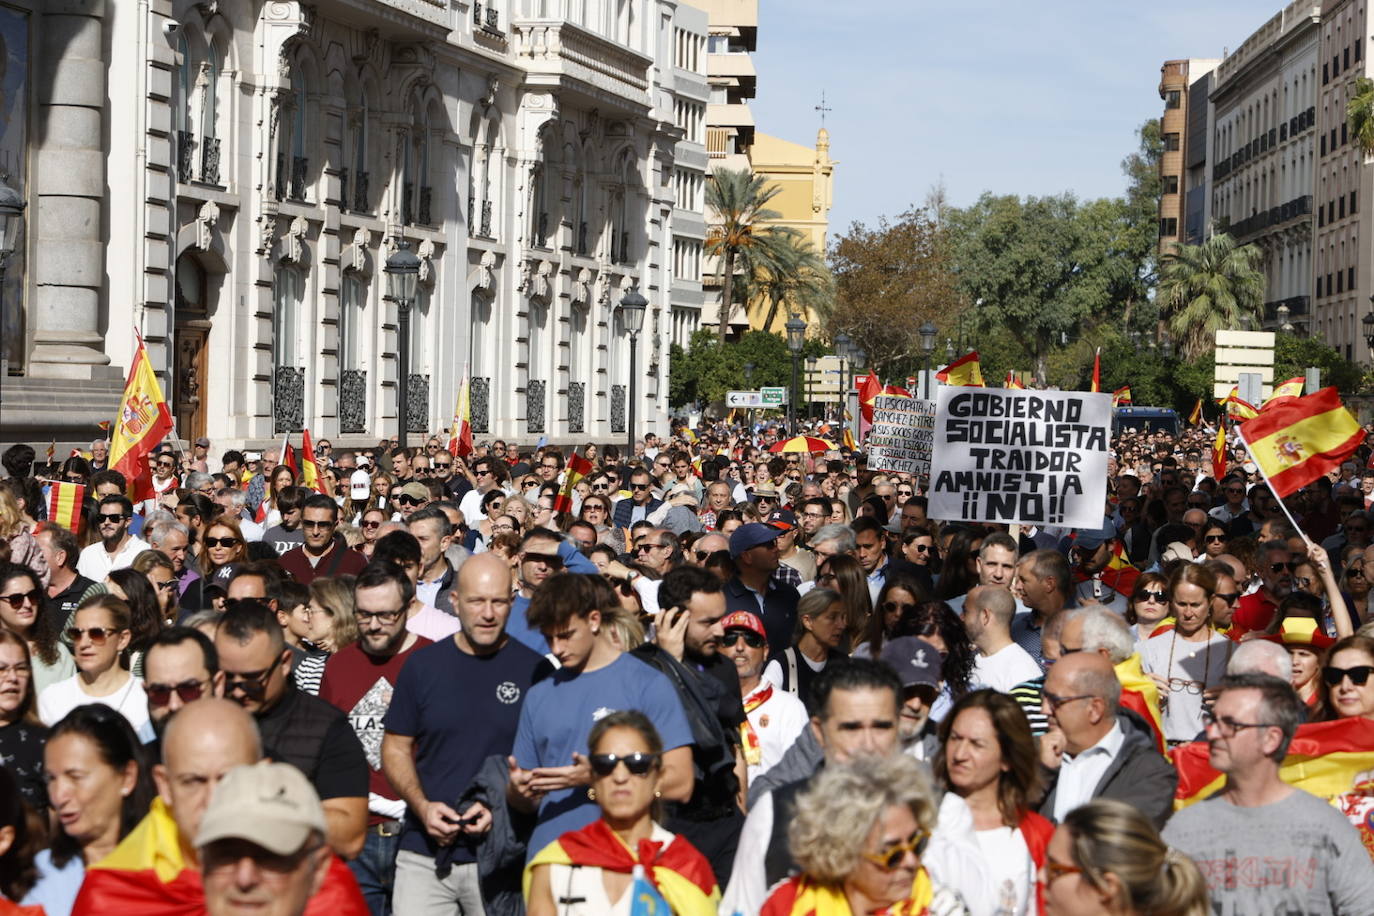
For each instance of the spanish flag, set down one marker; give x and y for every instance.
(896, 391)
(1237, 408)
(144, 420)
(1097, 370)
(1289, 389)
(310, 469)
(869, 388)
(963, 371)
(1195, 417)
(1121, 397)
(148, 875)
(800, 896)
(1012, 384)
(1140, 694)
(1119, 575)
(64, 505)
(578, 467)
(1219, 454)
(1295, 442)
(679, 873)
(460, 435)
(1324, 759)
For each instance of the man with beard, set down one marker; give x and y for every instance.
(322, 554)
(774, 717)
(116, 548)
(1257, 609)
(179, 667)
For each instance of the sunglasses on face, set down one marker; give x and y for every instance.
(253, 684)
(1215, 538)
(315, 524)
(17, 600)
(890, 856)
(98, 635)
(639, 486)
(894, 607)
(638, 763)
(751, 639)
(222, 542)
(161, 694)
(529, 483)
(112, 519)
(373, 524)
(1229, 597)
(404, 500)
(1359, 675)
(548, 559)
(1280, 567)
(600, 487)
(1355, 572)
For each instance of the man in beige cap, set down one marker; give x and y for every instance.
(261, 842)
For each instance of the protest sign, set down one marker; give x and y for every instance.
(1021, 457)
(901, 435)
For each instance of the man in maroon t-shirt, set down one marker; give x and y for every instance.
(1256, 610)
(322, 554)
(359, 680)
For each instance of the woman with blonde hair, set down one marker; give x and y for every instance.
(23, 546)
(1106, 858)
(857, 835)
(331, 627)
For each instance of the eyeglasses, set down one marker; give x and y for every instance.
(1055, 870)
(1228, 726)
(639, 486)
(751, 639)
(421, 472)
(480, 472)
(253, 684)
(1228, 597)
(161, 694)
(222, 542)
(1359, 675)
(98, 635)
(893, 607)
(17, 600)
(1149, 595)
(383, 617)
(548, 559)
(549, 467)
(600, 487)
(112, 519)
(404, 500)
(922, 548)
(372, 524)
(1280, 567)
(529, 483)
(1355, 572)
(889, 857)
(1302, 581)
(1183, 685)
(1055, 701)
(443, 464)
(1215, 538)
(308, 523)
(166, 586)
(638, 763)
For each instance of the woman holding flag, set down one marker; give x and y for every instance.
(623, 860)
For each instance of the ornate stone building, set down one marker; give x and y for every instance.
(265, 157)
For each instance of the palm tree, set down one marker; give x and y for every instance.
(1208, 287)
(1359, 115)
(788, 268)
(737, 203)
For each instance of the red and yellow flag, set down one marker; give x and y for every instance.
(144, 421)
(1219, 454)
(1140, 694)
(1195, 417)
(1119, 575)
(1295, 442)
(896, 391)
(1289, 389)
(1121, 397)
(1237, 408)
(1012, 383)
(869, 388)
(460, 433)
(578, 467)
(64, 505)
(310, 469)
(964, 371)
(1097, 370)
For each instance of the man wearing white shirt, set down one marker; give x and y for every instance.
(1001, 663)
(775, 717)
(116, 548)
(489, 474)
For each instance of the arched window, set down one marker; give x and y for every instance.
(181, 116)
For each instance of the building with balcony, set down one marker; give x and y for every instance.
(231, 189)
(1182, 166)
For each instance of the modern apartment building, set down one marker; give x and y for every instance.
(1182, 167)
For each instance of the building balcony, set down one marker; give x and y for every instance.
(560, 55)
(729, 116)
(1274, 217)
(737, 65)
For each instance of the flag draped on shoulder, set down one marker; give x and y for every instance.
(460, 433)
(144, 420)
(965, 371)
(578, 467)
(310, 469)
(1299, 440)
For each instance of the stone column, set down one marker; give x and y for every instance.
(68, 193)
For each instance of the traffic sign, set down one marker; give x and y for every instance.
(774, 397)
(743, 399)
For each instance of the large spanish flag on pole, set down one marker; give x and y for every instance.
(460, 434)
(144, 420)
(869, 388)
(965, 371)
(1299, 440)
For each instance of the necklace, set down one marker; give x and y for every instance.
(1206, 660)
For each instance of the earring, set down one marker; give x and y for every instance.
(591, 795)
(657, 794)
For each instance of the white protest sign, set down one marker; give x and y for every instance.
(901, 436)
(1020, 457)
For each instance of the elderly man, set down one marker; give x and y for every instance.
(1093, 628)
(1094, 749)
(1263, 845)
(1276, 577)
(1042, 584)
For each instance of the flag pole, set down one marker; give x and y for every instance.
(1240, 433)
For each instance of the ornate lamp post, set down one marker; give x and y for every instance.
(928, 332)
(1368, 322)
(402, 275)
(632, 308)
(796, 339)
(749, 411)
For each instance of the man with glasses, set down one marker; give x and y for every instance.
(456, 486)
(641, 502)
(1257, 609)
(117, 547)
(179, 667)
(419, 467)
(1092, 749)
(658, 549)
(407, 498)
(298, 728)
(775, 718)
(550, 465)
(1263, 845)
(360, 680)
(322, 553)
(488, 474)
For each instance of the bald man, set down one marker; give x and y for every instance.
(1001, 664)
(492, 673)
(1094, 749)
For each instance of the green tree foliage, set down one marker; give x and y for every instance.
(706, 370)
(737, 203)
(1293, 355)
(1208, 287)
(1359, 115)
(788, 270)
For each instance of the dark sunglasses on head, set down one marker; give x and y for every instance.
(638, 763)
(98, 635)
(751, 639)
(18, 598)
(161, 694)
(222, 542)
(1359, 675)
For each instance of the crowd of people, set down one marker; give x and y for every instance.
(736, 680)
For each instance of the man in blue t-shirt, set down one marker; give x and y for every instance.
(456, 703)
(550, 768)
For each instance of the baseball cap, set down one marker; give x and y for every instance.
(271, 805)
(203, 442)
(752, 535)
(1093, 538)
(915, 661)
(415, 490)
(783, 519)
(359, 485)
(743, 620)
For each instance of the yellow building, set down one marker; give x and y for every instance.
(806, 177)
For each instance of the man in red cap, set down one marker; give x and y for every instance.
(774, 717)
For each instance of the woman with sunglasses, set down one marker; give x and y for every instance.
(21, 611)
(224, 550)
(918, 547)
(1354, 584)
(160, 572)
(590, 872)
(370, 525)
(899, 597)
(857, 834)
(100, 788)
(21, 734)
(1348, 690)
(1107, 858)
(1214, 538)
(1147, 606)
(493, 505)
(989, 759)
(596, 511)
(1190, 658)
(99, 634)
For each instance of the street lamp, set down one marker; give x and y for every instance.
(749, 411)
(796, 339)
(1282, 313)
(927, 332)
(402, 275)
(632, 307)
(811, 362)
(841, 344)
(949, 351)
(1245, 322)
(1368, 322)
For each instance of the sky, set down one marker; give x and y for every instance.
(1028, 97)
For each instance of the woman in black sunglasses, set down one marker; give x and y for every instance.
(1348, 690)
(99, 635)
(586, 871)
(21, 611)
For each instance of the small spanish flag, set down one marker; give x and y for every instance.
(1237, 408)
(869, 388)
(1289, 389)
(1299, 440)
(104, 425)
(1121, 397)
(1097, 370)
(849, 439)
(1012, 383)
(1195, 417)
(578, 467)
(1219, 454)
(310, 469)
(64, 505)
(963, 371)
